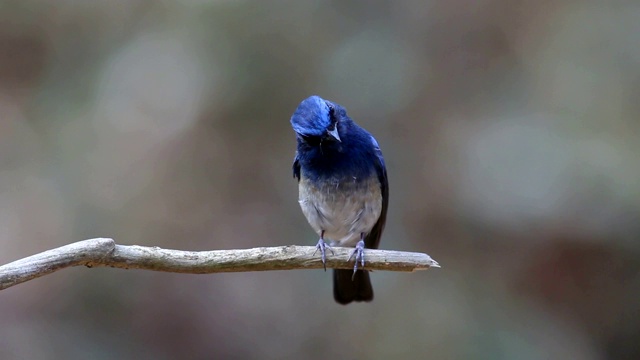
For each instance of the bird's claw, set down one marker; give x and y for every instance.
(358, 252)
(322, 246)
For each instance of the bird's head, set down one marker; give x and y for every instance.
(316, 118)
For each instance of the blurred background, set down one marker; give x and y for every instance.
(511, 132)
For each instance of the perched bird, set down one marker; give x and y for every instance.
(343, 188)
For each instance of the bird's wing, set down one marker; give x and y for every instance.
(373, 239)
(296, 167)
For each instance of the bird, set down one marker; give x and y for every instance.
(343, 189)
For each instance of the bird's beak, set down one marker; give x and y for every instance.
(334, 133)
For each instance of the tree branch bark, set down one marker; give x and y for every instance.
(105, 252)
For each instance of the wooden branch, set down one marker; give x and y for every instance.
(105, 252)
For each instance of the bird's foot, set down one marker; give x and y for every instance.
(358, 252)
(322, 246)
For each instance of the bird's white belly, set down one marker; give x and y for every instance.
(343, 209)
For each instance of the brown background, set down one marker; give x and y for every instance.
(510, 131)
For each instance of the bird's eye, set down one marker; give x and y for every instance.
(332, 115)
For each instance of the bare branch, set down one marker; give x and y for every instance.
(105, 252)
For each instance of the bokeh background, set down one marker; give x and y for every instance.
(510, 131)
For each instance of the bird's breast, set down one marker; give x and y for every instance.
(342, 207)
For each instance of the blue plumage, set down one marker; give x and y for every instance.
(343, 188)
(311, 118)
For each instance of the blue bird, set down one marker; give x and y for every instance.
(343, 188)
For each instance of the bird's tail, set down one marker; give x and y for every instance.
(348, 288)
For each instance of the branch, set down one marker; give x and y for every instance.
(105, 252)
